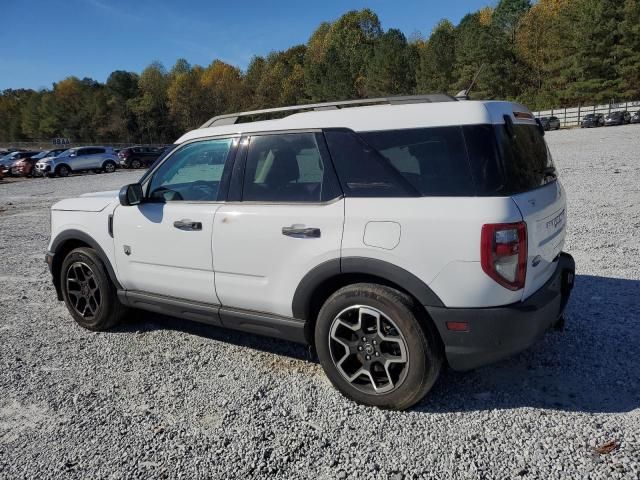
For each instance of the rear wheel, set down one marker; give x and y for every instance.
(109, 166)
(63, 171)
(373, 347)
(88, 292)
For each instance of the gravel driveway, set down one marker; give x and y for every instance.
(163, 398)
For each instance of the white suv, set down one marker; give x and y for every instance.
(392, 236)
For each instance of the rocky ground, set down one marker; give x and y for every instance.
(163, 398)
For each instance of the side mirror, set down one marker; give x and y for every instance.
(540, 126)
(130, 195)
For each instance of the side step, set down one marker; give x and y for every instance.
(244, 320)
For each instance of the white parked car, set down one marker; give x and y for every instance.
(394, 237)
(99, 159)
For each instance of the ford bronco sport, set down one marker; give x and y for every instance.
(393, 235)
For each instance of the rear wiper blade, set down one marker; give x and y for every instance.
(548, 171)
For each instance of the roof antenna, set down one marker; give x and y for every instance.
(464, 94)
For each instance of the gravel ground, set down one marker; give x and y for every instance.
(162, 398)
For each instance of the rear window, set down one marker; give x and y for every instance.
(526, 161)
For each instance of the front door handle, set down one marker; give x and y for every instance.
(296, 231)
(188, 225)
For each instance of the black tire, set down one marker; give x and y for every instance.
(109, 166)
(403, 384)
(63, 170)
(84, 277)
(135, 163)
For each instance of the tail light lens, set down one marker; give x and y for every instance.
(503, 253)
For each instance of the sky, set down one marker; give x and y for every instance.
(44, 41)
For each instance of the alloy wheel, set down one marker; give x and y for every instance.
(368, 349)
(84, 292)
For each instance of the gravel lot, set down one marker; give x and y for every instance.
(163, 398)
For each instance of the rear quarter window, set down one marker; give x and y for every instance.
(433, 160)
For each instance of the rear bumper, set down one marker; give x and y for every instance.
(497, 332)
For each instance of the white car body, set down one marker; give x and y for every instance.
(240, 260)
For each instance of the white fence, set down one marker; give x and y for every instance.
(570, 117)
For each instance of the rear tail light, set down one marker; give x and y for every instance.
(503, 253)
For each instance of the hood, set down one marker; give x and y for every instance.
(106, 194)
(89, 202)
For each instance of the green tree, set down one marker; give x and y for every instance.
(339, 55)
(629, 64)
(150, 107)
(391, 69)
(437, 58)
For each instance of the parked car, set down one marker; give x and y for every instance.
(394, 238)
(8, 161)
(635, 117)
(138, 156)
(550, 123)
(592, 120)
(619, 117)
(98, 159)
(25, 167)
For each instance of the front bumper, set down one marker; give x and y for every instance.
(497, 332)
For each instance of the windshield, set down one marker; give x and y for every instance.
(41, 154)
(167, 150)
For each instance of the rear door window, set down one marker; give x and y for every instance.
(286, 168)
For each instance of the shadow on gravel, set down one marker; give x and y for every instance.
(591, 366)
(142, 321)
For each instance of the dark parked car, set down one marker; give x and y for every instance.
(550, 123)
(139, 156)
(617, 118)
(635, 118)
(26, 166)
(592, 120)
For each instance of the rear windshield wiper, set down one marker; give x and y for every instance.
(548, 171)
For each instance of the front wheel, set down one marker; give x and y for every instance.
(135, 163)
(374, 348)
(87, 291)
(109, 167)
(63, 171)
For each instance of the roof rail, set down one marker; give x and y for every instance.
(232, 118)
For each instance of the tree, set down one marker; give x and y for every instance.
(478, 43)
(339, 54)
(391, 70)
(437, 58)
(592, 36)
(628, 67)
(150, 107)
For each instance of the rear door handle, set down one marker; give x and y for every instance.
(188, 225)
(301, 232)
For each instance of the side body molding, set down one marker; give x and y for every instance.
(324, 273)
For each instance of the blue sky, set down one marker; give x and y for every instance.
(43, 41)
